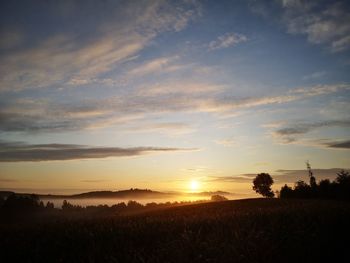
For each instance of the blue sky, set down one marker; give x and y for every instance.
(158, 93)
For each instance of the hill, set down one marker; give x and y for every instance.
(133, 193)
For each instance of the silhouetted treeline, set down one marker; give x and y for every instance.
(24, 203)
(325, 189)
(21, 207)
(124, 208)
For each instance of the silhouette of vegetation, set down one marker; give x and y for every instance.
(251, 230)
(262, 185)
(256, 230)
(218, 198)
(23, 203)
(311, 175)
(325, 189)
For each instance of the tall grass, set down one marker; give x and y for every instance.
(257, 230)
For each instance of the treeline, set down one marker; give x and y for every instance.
(14, 206)
(130, 206)
(324, 189)
(25, 203)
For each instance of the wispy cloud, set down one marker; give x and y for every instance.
(226, 142)
(302, 128)
(227, 40)
(281, 176)
(94, 181)
(292, 176)
(181, 88)
(315, 75)
(21, 152)
(60, 58)
(292, 133)
(241, 178)
(168, 128)
(342, 144)
(158, 65)
(339, 144)
(322, 23)
(51, 116)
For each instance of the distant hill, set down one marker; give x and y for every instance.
(121, 194)
(131, 193)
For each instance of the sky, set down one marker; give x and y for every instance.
(108, 95)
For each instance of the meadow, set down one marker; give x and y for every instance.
(251, 230)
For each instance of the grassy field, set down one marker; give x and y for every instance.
(255, 230)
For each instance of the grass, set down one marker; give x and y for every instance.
(255, 230)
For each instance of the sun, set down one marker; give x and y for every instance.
(194, 185)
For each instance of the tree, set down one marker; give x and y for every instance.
(262, 184)
(311, 175)
(343, 177)
(286, 192)
(218, 198)
(343, 184)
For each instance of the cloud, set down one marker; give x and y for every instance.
(322, 22)
(292, 176)
(94, 181)
(168, 128)
(281, 176)
(227, 40)
(155, 66)
(129, 109)
(180, 88)
(20, 152)
(289, 134)
(341, 145)
(241, 178)
(226, 142)
(333, 144)
(315, 75)
(302, 128)
(77, 54)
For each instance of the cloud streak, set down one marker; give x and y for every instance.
(74, 57)
(227, 40)
(20, 152)
(303, 128)
(280, 176)
(292, 133)
(51, 116)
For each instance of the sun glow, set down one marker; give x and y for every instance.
(194, 185)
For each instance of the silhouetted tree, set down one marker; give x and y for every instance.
(134, 205)
(286, 192)
(311, 175)
(302, 190)
(50, 205)
(343, 178)
(218, 198)
(326, 189)
(343, 185)
(338, 189)
(22, 203)
(262, 184)
(66, 205)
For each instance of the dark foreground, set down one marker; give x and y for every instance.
(257, 230)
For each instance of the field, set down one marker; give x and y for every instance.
(252, 230)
